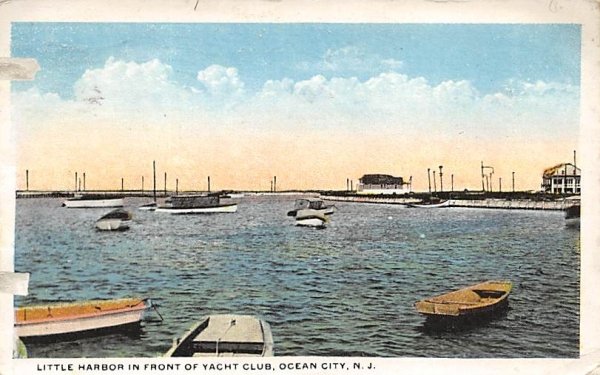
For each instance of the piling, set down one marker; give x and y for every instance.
(154, 174)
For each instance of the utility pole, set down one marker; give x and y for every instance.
(429, 179)
(513, 182)
(154, 177)
(482, 178)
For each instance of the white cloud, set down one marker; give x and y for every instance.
(130, 86)
(387, 100)
(351, 60)
(221, 81)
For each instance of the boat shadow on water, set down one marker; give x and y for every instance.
(133, 331)
(436, 326)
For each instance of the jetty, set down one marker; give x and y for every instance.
(506, 201)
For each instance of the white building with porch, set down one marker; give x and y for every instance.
(563, 178)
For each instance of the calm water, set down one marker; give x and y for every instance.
(347, 290)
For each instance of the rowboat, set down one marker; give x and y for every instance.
(116, 220)
(573, 216)
(434, 203)
(93, 201)
(196, 204)
(225, 336)
(473, 301)
(148, 207)
(315, 204)
(79, 317)
(311, 218)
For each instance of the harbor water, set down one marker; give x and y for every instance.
(347, 290)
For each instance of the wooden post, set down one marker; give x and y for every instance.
(274, 184)
(271, 186)
(154, 174)
(441, 182)
(176, 186)
(165, 183)
(347, 184)
(429, 179)
(76, 181)
(351, 183)
(83, 181)
(452, 181)
(513, 182)
(27, 179)
(79, 184)
(208, 184)
(434, 184)
(142, 184)
(500, 184)
(122, 184)
(482, 178)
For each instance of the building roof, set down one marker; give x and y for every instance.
(380, 179)
(555, 169)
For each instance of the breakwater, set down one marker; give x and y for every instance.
(491, 203)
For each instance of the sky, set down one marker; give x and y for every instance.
(313, 104)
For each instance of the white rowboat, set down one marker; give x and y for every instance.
(225, 336)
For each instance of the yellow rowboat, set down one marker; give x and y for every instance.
(473, 301)
(79, 317)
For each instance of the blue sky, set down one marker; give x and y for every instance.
(505, 94)
(486, 55)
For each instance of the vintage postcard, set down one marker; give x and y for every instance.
(299, 187)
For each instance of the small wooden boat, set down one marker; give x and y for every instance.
(432, 203)
(315, 204)
(472, 301)
(116, 220)
(79, 317)
(196, 204)
(311, 218)
(573, 216)
(148, 207)
(225, 336)
(93, 201)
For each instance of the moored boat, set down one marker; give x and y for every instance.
(225, 336)
(148, 207)
(79, 317)
(573, 216)
(311, 218)
(473, 301)
(93, 201)
(432, 203)
(315, 204)
(116, 220)
(196, 204)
